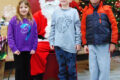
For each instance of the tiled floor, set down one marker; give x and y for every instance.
(83, 72)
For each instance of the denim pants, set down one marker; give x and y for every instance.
(99, 62)
(67, 64)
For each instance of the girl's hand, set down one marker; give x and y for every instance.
(52, 47)
(17, 52)
(32, 52)
(78, 47)
(86, 50)
(112, 48)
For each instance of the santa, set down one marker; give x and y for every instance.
(43, 20)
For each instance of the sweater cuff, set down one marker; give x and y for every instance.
(34, 49)
(51, 44)
(14, 49)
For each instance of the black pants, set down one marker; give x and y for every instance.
(38, 77)
(22, 66)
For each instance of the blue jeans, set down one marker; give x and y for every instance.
(67, 64)
(99, 62)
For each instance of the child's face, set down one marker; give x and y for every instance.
(94, 1)
(65, 2)
(24, 9)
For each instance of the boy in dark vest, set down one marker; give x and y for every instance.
(99, 36)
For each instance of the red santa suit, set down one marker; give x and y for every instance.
(39, 59)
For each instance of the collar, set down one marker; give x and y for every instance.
(99, 5)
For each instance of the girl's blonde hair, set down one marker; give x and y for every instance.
(19, 16)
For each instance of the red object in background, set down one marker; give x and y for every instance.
(35, 6)
(117, 4)
(74, 4)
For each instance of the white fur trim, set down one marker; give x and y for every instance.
(46, 40)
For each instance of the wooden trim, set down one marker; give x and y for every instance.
(2, 67)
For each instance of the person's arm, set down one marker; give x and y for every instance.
(35, 36)
(10, 35)
(77, 29)
(114, 34)
(52, 32)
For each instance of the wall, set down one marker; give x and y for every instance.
(8, 7)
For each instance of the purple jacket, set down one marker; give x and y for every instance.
(22, 36)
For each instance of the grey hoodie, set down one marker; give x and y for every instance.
(65, 29)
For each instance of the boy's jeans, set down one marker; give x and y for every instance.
(67, 64)
(99, 62)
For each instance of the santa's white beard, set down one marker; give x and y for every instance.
(47, 10)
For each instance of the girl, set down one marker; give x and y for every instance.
(22, 39)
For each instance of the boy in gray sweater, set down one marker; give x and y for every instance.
(65, 39)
